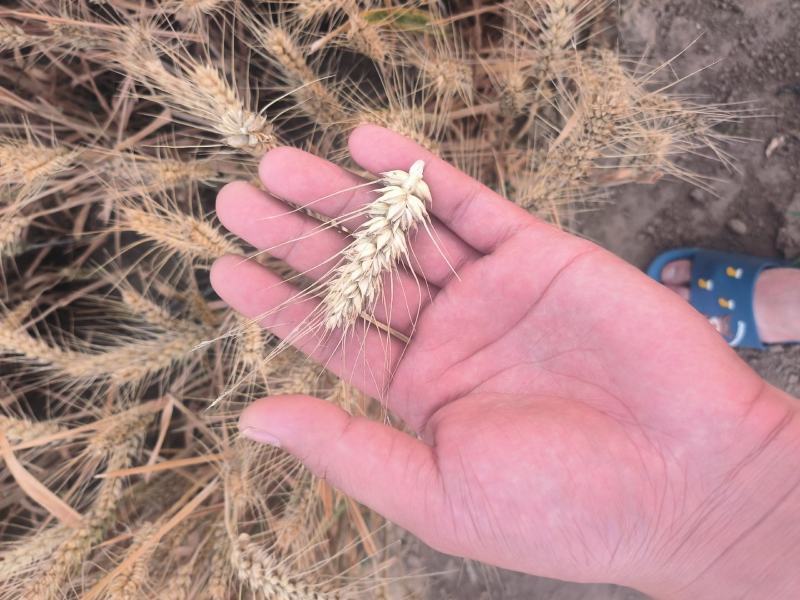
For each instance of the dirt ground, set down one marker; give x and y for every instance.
(755, 209)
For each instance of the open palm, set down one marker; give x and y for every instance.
(575, 419)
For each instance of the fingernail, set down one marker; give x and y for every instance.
(261, 436)
(668, 272)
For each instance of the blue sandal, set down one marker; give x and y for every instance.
(722, 285)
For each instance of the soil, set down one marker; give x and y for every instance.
(754, 208)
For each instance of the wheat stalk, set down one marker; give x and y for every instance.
(379, 245)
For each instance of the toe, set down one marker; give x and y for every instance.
(678, 272)
(681, 290)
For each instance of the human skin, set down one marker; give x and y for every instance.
(575, 419)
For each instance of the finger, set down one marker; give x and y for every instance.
(269, 224)
(364, 356)
(385, 469)
(307, 180)
(482, 218)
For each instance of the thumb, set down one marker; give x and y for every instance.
(381, 467)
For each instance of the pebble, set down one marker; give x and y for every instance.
(737, 226)
(697, 195)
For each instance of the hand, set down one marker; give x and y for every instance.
(576, 420)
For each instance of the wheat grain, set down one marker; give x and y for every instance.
(379, 245)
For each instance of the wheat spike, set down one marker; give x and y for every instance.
(129, 583)
(217, 587)
(23, 556)
(23, 430)
(264, 575)
(313, 97)
(601, 110)
(200, 92)
(26, 162)
(307, 11)
(13, 37)
(12, 234)
(379, 245)
(125, 363)
(366, 37)
(241, 129)
(178, 232)
(69, 556)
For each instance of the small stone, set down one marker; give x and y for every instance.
(697, 195)
(737, 226)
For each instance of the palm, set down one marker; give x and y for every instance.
(554, 430)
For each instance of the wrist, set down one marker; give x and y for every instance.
(741, 539)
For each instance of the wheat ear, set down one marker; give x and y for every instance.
(13, 37)
(264, 575)
(128, 584)
(23, 430)
(69, 556)
(12, 234)
(312, 95)
(379, 245)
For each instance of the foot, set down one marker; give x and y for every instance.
(776, 303)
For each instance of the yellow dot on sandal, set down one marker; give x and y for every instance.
(734, 272)
(725, 303)
(706, 284)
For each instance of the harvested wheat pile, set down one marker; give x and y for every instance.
(122, 374)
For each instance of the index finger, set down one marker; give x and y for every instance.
(479, 216)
